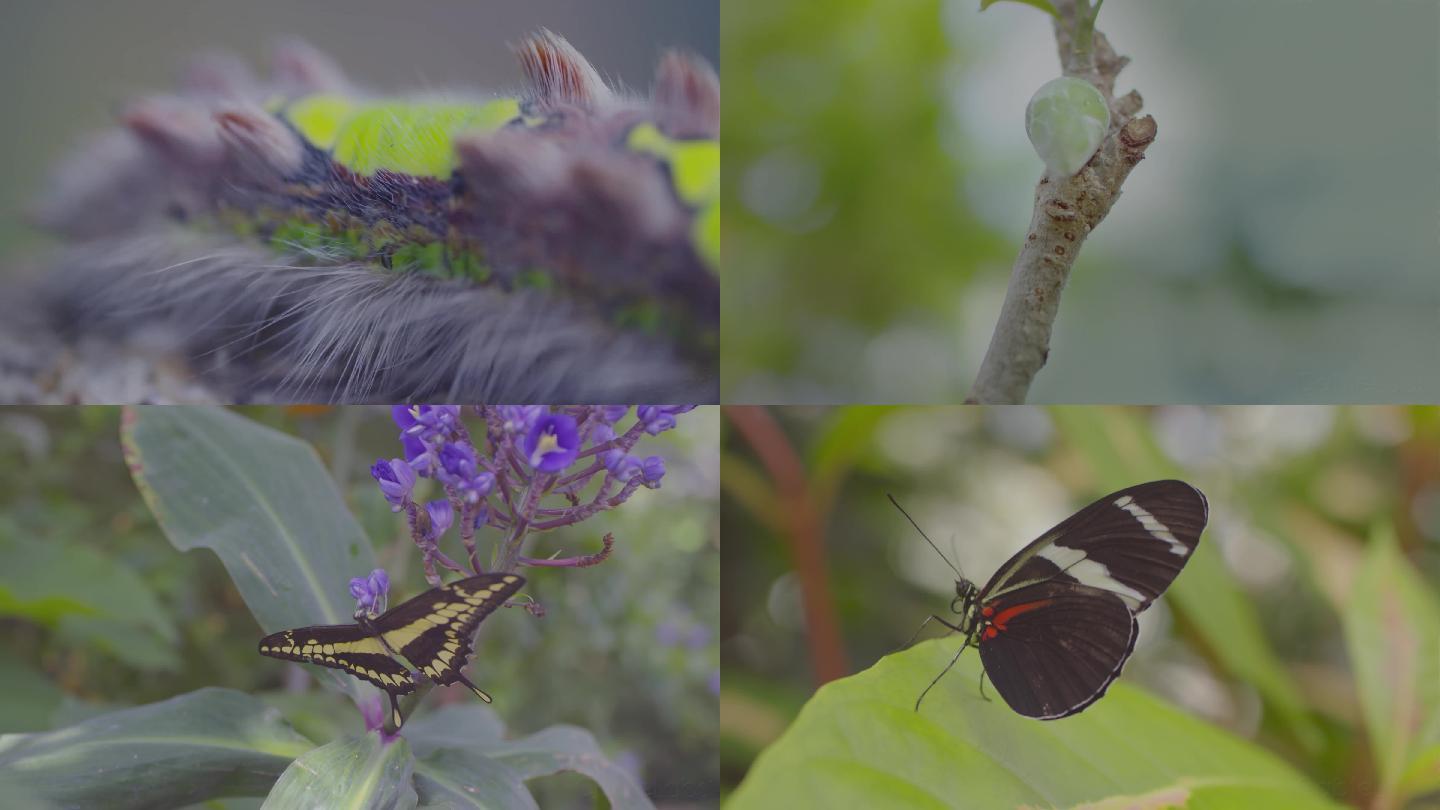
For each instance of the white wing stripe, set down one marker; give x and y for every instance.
(1086, 571)
(1157, 529)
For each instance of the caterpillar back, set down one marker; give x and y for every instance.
(297, 237)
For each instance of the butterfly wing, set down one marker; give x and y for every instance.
(434, 630)
(345, 647)
(1054, 647)
(1131, 543)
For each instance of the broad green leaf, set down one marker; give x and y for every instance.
(1043, 5)
(203, 744)
(264, 503)
(465, 754)
(1121, 451)
(359, 773)
(859, 743)
(567, 748)
(1392, 629)
(453, 771)
(455, 726)
(456, 778)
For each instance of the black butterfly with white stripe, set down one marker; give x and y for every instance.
(1056, 623)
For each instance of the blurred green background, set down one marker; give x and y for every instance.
(1264, 633)
(98, 610)
(1278, 244)
(71, 65)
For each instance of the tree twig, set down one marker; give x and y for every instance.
(1066, 210)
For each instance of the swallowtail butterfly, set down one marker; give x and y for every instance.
(1056, 623)
(432, 631)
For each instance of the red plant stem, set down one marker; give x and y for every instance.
(804, 536)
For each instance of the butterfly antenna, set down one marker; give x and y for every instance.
(941, 675)
(927, 538)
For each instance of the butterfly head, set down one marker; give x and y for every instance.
(965, 596)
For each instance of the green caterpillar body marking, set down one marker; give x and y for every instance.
(415, 138)
(695, 172)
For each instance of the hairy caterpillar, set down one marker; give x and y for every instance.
(296, 238)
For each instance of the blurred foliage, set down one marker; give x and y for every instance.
(98, 611)
(1307, 622)
(842, 214)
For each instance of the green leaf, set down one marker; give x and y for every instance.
(1043, 5)
(354, 774)
(456, 778)
(1121, 451)
(1392, 629)
(859, 743)
(455, 726)
(203, 744)
(467, 762)
(47, 580)
(264, 503)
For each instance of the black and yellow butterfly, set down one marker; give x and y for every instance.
(432, 632)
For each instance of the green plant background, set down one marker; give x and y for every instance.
(98, 611)
(1298, 652)
(878, 184)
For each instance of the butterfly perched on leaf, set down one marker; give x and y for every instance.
(1057, 622)
(430, 634)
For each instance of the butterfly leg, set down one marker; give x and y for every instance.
(480, 693)
(942, 673)
(921, 628)
(982, 685)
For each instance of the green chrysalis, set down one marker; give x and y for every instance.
(1066, 120)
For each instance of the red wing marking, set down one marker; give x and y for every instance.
(1015, 610)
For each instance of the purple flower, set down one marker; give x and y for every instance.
(442, 514)
(600, 434)
(552, 443)
(620, 465)
(428, 422)
(519, 418)
(379, 583)
(653, 469)
(660, 418)
(419, 455)
(459, 471)
(360, 590)
(611, 414)
(396, 479)
(370, 592)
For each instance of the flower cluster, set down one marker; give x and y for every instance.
(527, 469)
